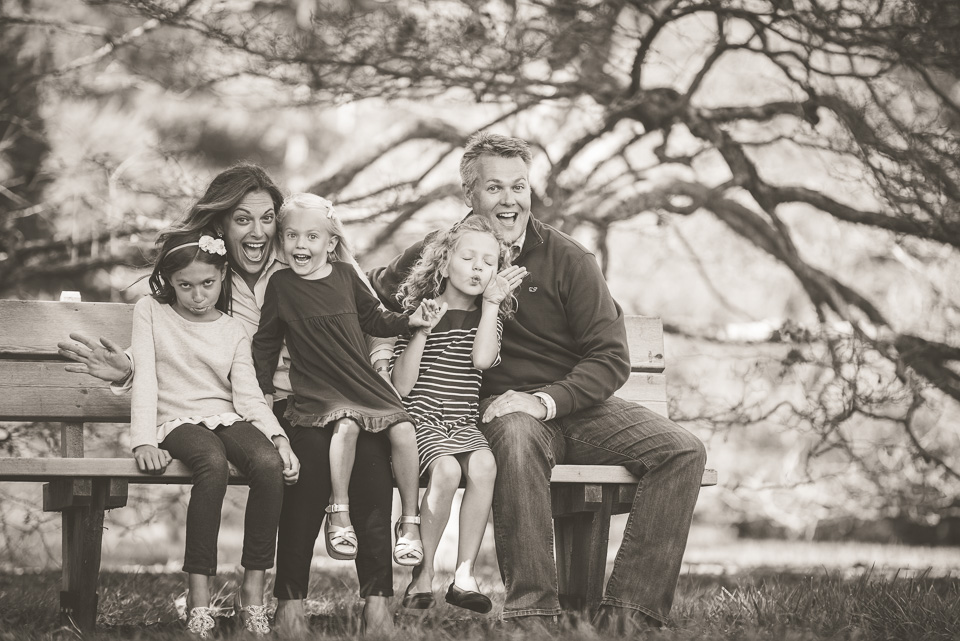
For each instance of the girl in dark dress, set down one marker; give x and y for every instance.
(322, 309)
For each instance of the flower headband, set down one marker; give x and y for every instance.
(208, 244)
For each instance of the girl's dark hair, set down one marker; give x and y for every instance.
(178, 249)
(424, 279)
(224, 194)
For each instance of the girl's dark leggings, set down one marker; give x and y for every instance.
(206, 453)
(371, 499)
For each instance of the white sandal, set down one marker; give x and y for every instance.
(408, 552)
(253, 617)
(341, 541)
(200, 623)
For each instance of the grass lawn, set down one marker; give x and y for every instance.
(755, 605)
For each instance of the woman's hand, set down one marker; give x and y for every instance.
(104, 360)
(291, 464)
(427, 315)
(151, 459)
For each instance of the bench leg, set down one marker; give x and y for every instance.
(582, 554)
(82, 536)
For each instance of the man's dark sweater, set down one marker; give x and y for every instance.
(568, 337)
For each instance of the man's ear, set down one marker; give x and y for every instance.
(467, 195)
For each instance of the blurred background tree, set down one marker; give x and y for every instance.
(777, 179)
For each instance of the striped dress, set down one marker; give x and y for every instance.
(444, 402)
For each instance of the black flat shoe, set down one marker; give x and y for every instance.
(468, 599)
(417, 600)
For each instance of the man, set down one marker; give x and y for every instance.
(550, 401)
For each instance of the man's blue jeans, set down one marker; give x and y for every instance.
(668, 459)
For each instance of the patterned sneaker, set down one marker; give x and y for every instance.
(201, 624)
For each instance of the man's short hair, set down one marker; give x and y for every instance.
(484, 143)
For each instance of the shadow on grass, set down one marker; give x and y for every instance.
(760, 605)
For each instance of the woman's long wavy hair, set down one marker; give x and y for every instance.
(174, 256)
(223, 195)
(425, 279)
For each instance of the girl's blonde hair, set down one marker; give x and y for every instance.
(424, 279)
(324, 210)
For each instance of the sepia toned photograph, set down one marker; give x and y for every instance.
(480, 319)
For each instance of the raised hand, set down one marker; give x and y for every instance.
(501, 285)
(427, 315)
(104, 360)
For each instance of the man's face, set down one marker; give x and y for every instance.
(501, 194)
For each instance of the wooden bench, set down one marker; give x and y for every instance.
(35, 387)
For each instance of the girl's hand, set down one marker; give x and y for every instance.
(291, 464)
(428, 314)
(496, 290)
(151, 459)
(514, 275)
(104, 360)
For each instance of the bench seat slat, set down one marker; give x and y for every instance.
(46, 469)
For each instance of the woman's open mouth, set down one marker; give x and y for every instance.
(253, 251)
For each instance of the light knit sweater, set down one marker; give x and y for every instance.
(187, 370)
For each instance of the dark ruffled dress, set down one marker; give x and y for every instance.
(323, 322)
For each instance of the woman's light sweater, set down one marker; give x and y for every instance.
(202, 372)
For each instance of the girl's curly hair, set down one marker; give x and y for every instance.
(424, 279)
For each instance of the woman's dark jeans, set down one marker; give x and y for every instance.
(206, 453)
(371, 499)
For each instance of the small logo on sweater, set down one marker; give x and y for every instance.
(531, 289)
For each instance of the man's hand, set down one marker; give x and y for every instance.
(510, 402)
(427, 315)
(151, 459)
(269, 400)
(291, 464)
(104, 360)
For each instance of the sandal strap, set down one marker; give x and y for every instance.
(343, 534)
(337, 507)
(409, 519)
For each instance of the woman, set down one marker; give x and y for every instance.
(241, 205)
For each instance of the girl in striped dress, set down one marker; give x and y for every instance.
(437, 371)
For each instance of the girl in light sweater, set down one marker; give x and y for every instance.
(196, 399)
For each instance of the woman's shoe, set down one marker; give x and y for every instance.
(417, 600)
(253, 617)
(341, 541)
(407, 552)
(468, 599)
(200, 622)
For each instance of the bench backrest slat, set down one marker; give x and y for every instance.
(31, 329)
(35, 387)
